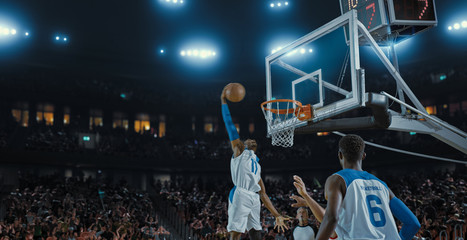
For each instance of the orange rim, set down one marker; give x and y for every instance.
(282, 111)
(302, 112)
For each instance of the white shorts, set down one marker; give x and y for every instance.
(244, 210)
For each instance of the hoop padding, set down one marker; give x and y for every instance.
(282, 115)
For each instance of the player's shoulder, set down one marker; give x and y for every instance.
(350, 175)
(244, 153)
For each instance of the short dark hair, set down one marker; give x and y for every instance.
(352, 147)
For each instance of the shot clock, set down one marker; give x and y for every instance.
(399, 18)
(416, 12)
(370, 12)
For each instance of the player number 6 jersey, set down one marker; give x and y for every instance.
(365, 212)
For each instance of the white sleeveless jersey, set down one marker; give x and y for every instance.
(246, 171)
(365, 212)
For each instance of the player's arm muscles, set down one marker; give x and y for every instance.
(410, 223)
(265, 199)
(235, 142)
(317, 211)
(334, 192)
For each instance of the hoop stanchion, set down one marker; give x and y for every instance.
(282, 115)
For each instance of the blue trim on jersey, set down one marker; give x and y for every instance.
(257, 159)
(231, 194)
(349, 175)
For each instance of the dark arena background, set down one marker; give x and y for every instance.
(111, 124)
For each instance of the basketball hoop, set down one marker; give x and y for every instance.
(282, 115)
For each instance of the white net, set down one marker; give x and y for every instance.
(281, 118)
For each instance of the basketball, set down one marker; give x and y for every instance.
(235, 92)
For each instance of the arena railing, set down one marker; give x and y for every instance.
(170, 217)
(459, 236)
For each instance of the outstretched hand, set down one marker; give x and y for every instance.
(280, 223)
(300, 185)
(300, 202)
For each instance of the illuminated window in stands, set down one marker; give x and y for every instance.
(95, 122)
(16, 113)
(39, 117)
(142, 123)
(161, 129)
(66, 116)
(20, 112)
(95, 118)
(208, 125)
(162, 126)
(21, 116)
(120, 120)
(142, 126)
(45, 114)
(208, 128)
(431, 110)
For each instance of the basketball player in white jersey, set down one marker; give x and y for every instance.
(244, 198)
(360, 206)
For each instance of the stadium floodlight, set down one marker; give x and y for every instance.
(162, 51)
(5, 31)
(450, 28)
(65, 39)
(26, 33)
(57, 38)
(278, 4)
(13, 31)
(457, 26)
(198, 53)
(171, 2)
(464, 24)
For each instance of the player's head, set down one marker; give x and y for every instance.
(302, 214)
(351, 149)
(251, 144)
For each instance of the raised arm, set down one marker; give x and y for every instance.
(235, 142)
(334, 192)
(410, 223)
(307, 200)
(280, 224)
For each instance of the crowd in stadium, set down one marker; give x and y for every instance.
(54, 208)
(437, 199)
(118, 142)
